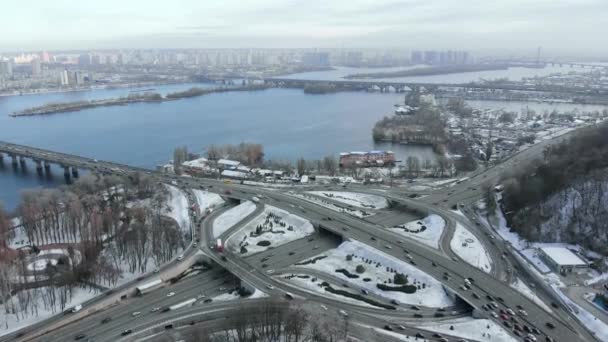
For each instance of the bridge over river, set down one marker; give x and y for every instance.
(400, 86)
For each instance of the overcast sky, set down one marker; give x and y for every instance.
(559, 25)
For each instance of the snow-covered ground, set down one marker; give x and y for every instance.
(532, 255)
(428, 230)
(207, 200)
(468, 247)
(269, 222)
(178, 208)
(396, 335)
(306, 284)
(355, 199)
(9, 323)
(257, 294)
(585, 317)
(230, 217)
(431, 294)
(473, 329)
(226, 296)
(524, 289)
(332, 206)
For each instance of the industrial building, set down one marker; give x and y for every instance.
(561, 259)
(363, 159)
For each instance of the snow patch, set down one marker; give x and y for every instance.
(431, 295)
(473, 329)
(294, 228)
(177, 204)
(231, 217)
(468, 247)
(428, 230)
(207, 200)
(355, 199)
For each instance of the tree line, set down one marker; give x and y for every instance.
(275, 320)
(570, 183)
(108, 225)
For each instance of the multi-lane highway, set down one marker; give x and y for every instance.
(252, 271)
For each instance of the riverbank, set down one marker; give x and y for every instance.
(44, 91)
(433, 71)
(145, 97)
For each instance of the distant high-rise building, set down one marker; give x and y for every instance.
(65, 79)
(431, 57)
(79, 77)
(95, 59)
(36, 67)
(316, 59)
(84, 59)
(354, 58)
(416, 57)
(45, 57)
(6, 68)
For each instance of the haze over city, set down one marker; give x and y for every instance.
(563, 26)
(304, 171)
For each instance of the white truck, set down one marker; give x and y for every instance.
(183, 304)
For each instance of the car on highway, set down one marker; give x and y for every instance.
(170, 294)
(136, 313)
(154, 309)
(270, 287)
(388, 247)
(106, 320)
(550, 325)
(126, 332)
(208, 300)
(180, 258)
(388, 327)
(79, 337)
(343, 313)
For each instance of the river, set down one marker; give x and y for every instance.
(289, 123)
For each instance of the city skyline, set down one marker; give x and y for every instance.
(498, 25)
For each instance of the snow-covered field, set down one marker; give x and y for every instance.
(9, 323)
(178, 208)
(468, 247)
(207, 200)
(332, 206)
(429, 235)
(355, 199)
(306, 284)
(294, 227)
(431, 294)
(474, 329)
(521, 287)
(230, 217)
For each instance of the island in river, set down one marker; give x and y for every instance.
(63, 107)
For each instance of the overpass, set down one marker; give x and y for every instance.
(430, 261)
(18, 154)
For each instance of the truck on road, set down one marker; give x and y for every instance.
(183, 304)
(77, 308)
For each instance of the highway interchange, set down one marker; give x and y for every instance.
(253, 272)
